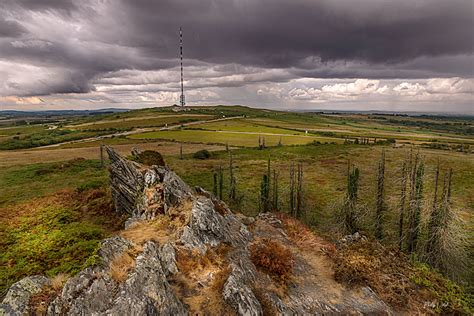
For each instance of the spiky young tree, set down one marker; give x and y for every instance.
(214, 184)
(446, 242)
(291, 204)
(402, 203)
(276, 205)
(264, 191)
(279, 142)
(221, 182)
(380, 204)
(232, 181)
(349, 208)
(299, 191)
(416, 199)
(435, 217)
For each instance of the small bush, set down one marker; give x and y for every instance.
(273, 258)
(202, 154)
(150, 158)
(93, 184)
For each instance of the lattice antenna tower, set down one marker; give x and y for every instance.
(182, 101)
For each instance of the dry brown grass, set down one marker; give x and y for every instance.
(273, 258)
(399, 282)
(58, 281)
(121, 266)
(302, 236)
(161, 228)
(265, 302)
(193, 263)
(90, 150)
(201, 279)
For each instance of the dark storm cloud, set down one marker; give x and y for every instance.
(279, 33)
(10, 28)
(84, 41)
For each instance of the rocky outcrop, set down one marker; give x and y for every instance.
(16, 301)
(203, 248)
(141, 192)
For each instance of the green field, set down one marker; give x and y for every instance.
(63, 191)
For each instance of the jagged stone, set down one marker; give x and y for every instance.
(112, 247)
(136, 151)
(206, 227)
(146, 290)
(126, 182)
(144, 193)
(175, 189)
(238, 294)
(17, 298)
(168, 259)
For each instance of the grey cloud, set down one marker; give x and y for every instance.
(10, 28)
(280, 33)
(232, 43)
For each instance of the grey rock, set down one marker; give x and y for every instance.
(144, 192)
(136, 151)
(206, 227)
(112, 247)
(18, 296)
(168, 259)
(237, 294)
(126, 182)
(146, 291)
(175, 189)
(350, 239)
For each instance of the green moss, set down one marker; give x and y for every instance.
(56, 237)
(451, 298)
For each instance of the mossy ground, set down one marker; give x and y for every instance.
(54, 234)
(43, 231)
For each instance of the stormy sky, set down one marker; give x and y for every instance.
(406, 55)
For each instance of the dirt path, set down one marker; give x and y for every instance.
(30, 156)
(135, 119)
(137, 131)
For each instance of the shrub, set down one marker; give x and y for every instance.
(272, 257)
(202, 154)
(150, 158)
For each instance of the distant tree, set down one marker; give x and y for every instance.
(403, 197)
(299, 191)
(349, 208)
(215, 184)
(291, 203)
(264, 191)
(416, 199)
(181, 151)
(221, 183)
(380, 204)
(276, 205)
(446, 244)
(279, 142)
(233, 181)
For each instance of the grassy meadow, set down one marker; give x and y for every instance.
(55, 204)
